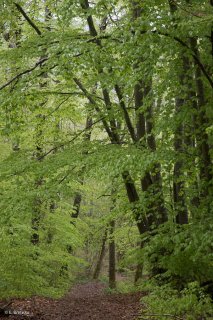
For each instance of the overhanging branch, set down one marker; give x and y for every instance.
(70, 141)
(27, 18)
(39, 63)
(96, 39)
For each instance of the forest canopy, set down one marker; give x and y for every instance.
(106, 136)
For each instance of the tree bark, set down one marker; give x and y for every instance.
(101, 257)
(181, 214)
(180, 208)
(156, 172)
(112, 261)
(203, 122)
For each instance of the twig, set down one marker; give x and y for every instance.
(68, 172)
(104, 195)
(58, 107)
(93, 102)
(184, 44)
(68, 142)
(39, 63)
(27, 18)
(69, 93)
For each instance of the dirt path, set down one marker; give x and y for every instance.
(84, 302)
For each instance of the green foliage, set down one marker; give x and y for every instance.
(180, 260)
(182, 253)
(190, 303)
(60, 70)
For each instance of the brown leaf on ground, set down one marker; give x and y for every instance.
(84, 302)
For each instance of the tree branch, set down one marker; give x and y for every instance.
(184, 44)
(27, 18)
(39, 63)
(126, 114)
(70, 93)
(70, 141)
(85, 6)
(93, 102)
(65, 100)
(96, 39)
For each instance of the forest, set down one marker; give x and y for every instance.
(106, 153)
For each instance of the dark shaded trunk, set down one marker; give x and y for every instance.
(78, 196)
(139, 267)
(140, 91)
(38, 211)
(112, 120)
(150, 183)
(101, 257)
(211, 36)
(138, 272)
(203, 122)
(140, 125)
(126, 114)
(112, 261)
(146, 180)
(181, 214)
(76, 205)
(156, 172)
(180, 208)
(39, 150)
(190, 131)
(133, 197)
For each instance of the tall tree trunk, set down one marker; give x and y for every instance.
(78, 196)
(151, 184)
(146, 180)
(156, 172)
(101, 257)
(203, 122)
(37, 203)
(141, 220)
(38, 211)
(180, 208)
(113, 135)
(190, 133)
(139, 267)
(112, 260)
(181, 214)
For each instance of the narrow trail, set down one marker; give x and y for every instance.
(83, 302)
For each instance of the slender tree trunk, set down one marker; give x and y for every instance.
(203, 122)
(139, 267)
(78, 196)
(37, 203)
(112, 260)
(146, 180)
(156, 172)
(101, 257)
(178, 184)
(142, 221)
(39, 150)
(181, 213)
(190, 132)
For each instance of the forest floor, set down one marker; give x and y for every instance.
(88, 301)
